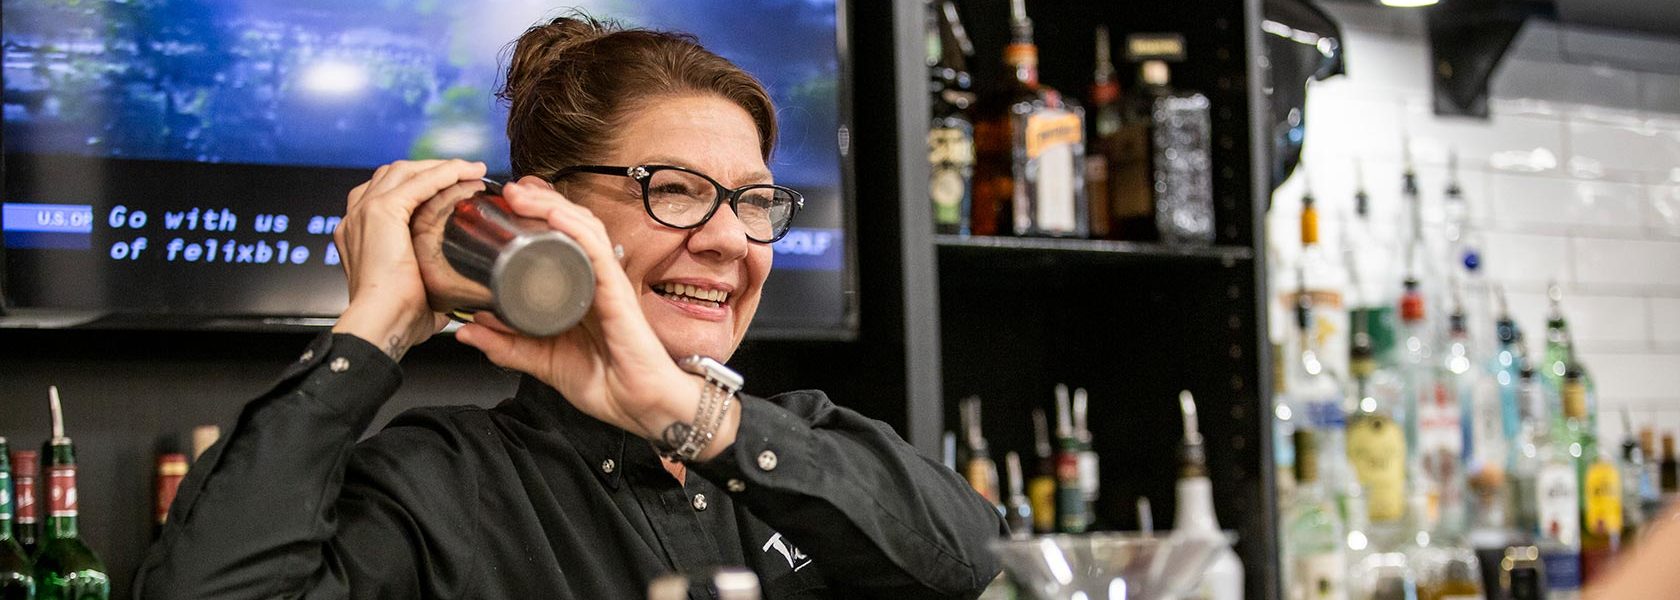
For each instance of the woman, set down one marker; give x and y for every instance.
(558, 492)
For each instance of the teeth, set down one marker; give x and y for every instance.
(686, 291)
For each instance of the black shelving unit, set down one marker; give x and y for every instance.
(1134, 323)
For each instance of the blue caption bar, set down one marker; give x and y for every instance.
(46, 218)
(811, 250)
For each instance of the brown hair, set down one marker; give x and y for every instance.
(571, 79)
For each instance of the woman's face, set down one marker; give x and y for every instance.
(713, 136)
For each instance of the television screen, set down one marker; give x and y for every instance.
(183, 161)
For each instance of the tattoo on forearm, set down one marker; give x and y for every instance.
(674, 436)
(395, 347)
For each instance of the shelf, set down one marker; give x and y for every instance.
(1058, 250)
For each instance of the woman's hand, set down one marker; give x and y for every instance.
(387, 297)
(612, 365)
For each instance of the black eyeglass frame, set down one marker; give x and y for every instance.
(643, 174)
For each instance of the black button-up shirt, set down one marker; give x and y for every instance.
(534, 499)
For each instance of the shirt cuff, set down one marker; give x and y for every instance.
(343, 372)
(772, 450)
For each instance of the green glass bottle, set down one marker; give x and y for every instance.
(65, 568)
(17, 581)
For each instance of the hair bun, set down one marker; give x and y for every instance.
(535, 49)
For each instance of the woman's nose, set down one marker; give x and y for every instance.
(723, 235)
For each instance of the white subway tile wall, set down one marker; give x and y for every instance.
(1575, 178)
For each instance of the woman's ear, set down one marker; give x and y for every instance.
(533, 180)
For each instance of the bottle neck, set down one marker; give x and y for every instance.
(1022, 60)
(62, 528)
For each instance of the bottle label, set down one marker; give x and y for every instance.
(951, 156)
(1089, 483)
(1563, 569)
(61, 491)
(1321, 576)
(1560, 508)
(1377, 449)
(25, 499)
(1070, 495)
(1054, 138)
(1440, 438)
(1604, 500)
(1041, 493)
(1325, 413)
(5, 495)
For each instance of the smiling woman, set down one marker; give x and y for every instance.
(630, 450)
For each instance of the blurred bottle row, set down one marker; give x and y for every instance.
(1408, 447)
(48, 559)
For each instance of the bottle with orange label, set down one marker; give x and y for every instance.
(1029, 174)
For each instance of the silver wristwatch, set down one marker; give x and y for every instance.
(685, 441)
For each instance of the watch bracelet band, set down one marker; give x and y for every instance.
(694, 443)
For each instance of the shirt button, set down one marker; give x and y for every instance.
(767, 460)
(737, 486)
(339, 365)
(608, 465)
(307, 354)
(699, 502)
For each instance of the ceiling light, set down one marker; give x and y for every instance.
(1409, 3)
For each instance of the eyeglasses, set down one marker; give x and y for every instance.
(686, 199)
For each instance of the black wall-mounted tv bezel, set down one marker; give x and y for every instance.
(337, 181)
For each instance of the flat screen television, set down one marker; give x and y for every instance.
(181, 163)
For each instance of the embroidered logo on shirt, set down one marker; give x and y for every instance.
(796, 560)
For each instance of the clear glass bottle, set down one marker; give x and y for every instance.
(1320, 399)
(1376, 441)
(1313, 536)
(1545, 492)
(1323, 278)
(1030, 141)
(1436, 432)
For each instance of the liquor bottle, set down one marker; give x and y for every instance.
(65, 568)
(1377, 445)
(1373, 303)
(171, 469)
(1285, 420)
(1319, 396)
(26, 466)
(951, 133)
(1506, 366)
(980, 470)
(1090, 483)
(1650, 481)
(1635, 481)
(1073, 515)
(1324, 279)
(1041, 489)
(1545, 489)
(1455, 574)
(1193, 516)
(203, 437)
(1436, 434)
(1669, 475)
(1465, 247)
(1480, 439)
(1602, 515)
(1314, 544)
(1018, 513)
(948, 451)
(1029, 176)
(1560, 355)
(1100, 156)
(17, 579)
(1181, 148)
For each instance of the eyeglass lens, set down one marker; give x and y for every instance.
(681, 199)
